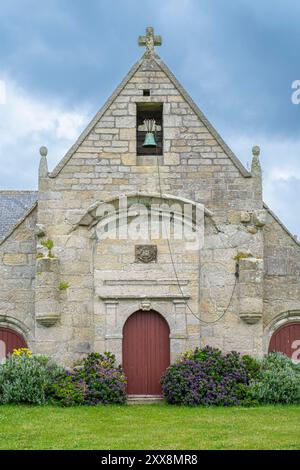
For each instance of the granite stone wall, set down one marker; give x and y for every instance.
(17, 275)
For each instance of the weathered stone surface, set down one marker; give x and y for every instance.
(47, 291)
(259, 217)
(17, 288)
(245, 216)
(14, 259)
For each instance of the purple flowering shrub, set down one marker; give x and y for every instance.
(105, 382)
(206, 377)
(98, 381)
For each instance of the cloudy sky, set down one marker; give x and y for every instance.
(238, 59)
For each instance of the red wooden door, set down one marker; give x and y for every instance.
(287, 340)
(10, 340)
(146, 352)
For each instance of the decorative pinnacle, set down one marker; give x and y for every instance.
(149, 41)
(255, 165)
(43, 151)
(43, 166)
(256, 151)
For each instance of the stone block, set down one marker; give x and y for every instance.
(126, 122)
(245, 217)
(14, 259)
(259, 217)
(171, 158)
(251, 305)
(128, 134)
(172, 120)
(83, 348)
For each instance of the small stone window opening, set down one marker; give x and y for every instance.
(152, 112)
(146, 92)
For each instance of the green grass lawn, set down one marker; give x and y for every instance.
(149, 427)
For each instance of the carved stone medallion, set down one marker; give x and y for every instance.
(145, 253)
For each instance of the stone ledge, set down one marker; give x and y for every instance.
(48, 320)
(114, 336)
(178, 336)
(251, 318)
(161, 297)
(142, 282)
(144, 399)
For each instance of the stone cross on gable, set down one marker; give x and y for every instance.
(149, 41)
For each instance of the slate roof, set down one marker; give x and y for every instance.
(14, 205)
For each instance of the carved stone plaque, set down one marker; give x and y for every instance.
(145, 253)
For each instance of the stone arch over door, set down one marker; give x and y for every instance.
(146, 352)
(117, 205)
(10, 340)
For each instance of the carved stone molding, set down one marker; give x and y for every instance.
(178, 336)
(145, 282)
(162, 297)
(146, 305)
(251, 318)
(48, 320)
(145, 253)
(259, 217)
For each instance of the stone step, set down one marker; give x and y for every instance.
(144, 399)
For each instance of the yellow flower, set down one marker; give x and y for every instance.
(22, 352)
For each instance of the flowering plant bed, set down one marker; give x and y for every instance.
(209, 377)
(99, 380)
(206, 377)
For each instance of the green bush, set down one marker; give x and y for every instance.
(99, 380)
(277, 382)
(252, 365)
(67, 390)
(26, 379)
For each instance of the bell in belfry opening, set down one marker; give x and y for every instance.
(149, 126)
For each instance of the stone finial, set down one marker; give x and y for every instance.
(149, 41)
(255, 165)
(43, 167)
(43, 151)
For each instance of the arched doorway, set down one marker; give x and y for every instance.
(286, 339)
(146, 352)
(10, 340)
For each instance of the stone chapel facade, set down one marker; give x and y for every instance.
(234, 293)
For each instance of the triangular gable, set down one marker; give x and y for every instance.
(18, 223)
(185, 96)
(94, 121)
(204, 119)
(281, 224)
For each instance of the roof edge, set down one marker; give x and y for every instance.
(20, 221)
(94, 121)
(203, 118)
(281, 224)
